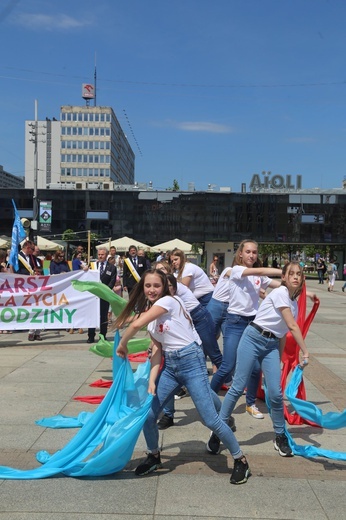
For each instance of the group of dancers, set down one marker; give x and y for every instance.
(184, 313)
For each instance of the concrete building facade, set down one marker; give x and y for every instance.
(86, 149)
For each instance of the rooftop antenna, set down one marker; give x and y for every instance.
(89, 89)
(95, 82)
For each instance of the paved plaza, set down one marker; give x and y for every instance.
(40, 379)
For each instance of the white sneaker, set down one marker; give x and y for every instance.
(254, 412)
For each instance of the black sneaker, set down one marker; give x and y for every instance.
(213, 445)
(165, 422)
(231, 423)
(282, 446)
(182, 393)
(150, 464)
(241, 471)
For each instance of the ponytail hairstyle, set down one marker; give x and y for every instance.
(237, 258)
(181, 255)
(285, 269)
(138, 302)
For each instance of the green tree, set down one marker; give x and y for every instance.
(69, 235)
(175, 187)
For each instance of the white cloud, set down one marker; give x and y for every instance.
(198, 126)
(49, 22)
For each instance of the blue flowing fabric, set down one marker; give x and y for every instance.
(309, 411)
(106, 441)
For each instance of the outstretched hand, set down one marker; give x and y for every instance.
(312, 296)
(122, 351)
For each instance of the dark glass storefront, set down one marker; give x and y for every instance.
(153, 217)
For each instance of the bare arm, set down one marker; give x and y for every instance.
(134, 327)
(155, 366)
(296, 332)
(262, 271)
(186, 280)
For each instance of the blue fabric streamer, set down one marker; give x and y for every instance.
(106, 441)
(309, 411)
(63, 421)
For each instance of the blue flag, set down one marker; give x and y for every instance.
(18, 234)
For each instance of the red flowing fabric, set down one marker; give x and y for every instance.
(100, 383)
(290, 358)
(139, 357)
(91, 399)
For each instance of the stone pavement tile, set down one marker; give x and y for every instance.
(216, 497)
(77, 516)
(332, 497)
(121, 494)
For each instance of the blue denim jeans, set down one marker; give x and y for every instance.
(233, 330)
(218, 312)
(204, 326)
(255, 348)
(204, 300)
(186, 367)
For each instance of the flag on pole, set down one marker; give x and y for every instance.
(18, 234)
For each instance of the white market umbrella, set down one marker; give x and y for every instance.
(123, 244)
(4, 244)
(174, 243)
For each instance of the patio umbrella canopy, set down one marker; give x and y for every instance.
(4, 244)
(123, 244)
(174, 243)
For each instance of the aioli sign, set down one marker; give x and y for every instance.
(275, 182)
(47, 302)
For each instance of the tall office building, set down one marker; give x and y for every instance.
(7, 180)
(86, 149)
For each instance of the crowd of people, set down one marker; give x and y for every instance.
(185, 313)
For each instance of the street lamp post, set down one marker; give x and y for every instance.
(35, 202)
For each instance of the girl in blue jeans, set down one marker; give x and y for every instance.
(173, 337)
(263, 342)
(246, 281)
(203, 324)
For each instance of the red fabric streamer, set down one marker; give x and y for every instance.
(91, 399)
(290, 358)
(100, 383)
(139, 357)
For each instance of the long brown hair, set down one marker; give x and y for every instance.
(138, 302)
(299, 289)
(181, 255)
(237, 258)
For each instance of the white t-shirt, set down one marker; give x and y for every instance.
(221, 290)
(244, 291)
(173, 329)
(269, 317)
(189, 299)
(200, 283)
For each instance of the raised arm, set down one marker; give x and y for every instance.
(296, 333)
(135, 326)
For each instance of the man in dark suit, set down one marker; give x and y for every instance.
(134, 267)
(108, 275)
(28, 265)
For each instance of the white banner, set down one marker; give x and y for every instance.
(47, 302)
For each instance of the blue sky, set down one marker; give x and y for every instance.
(206, 91)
